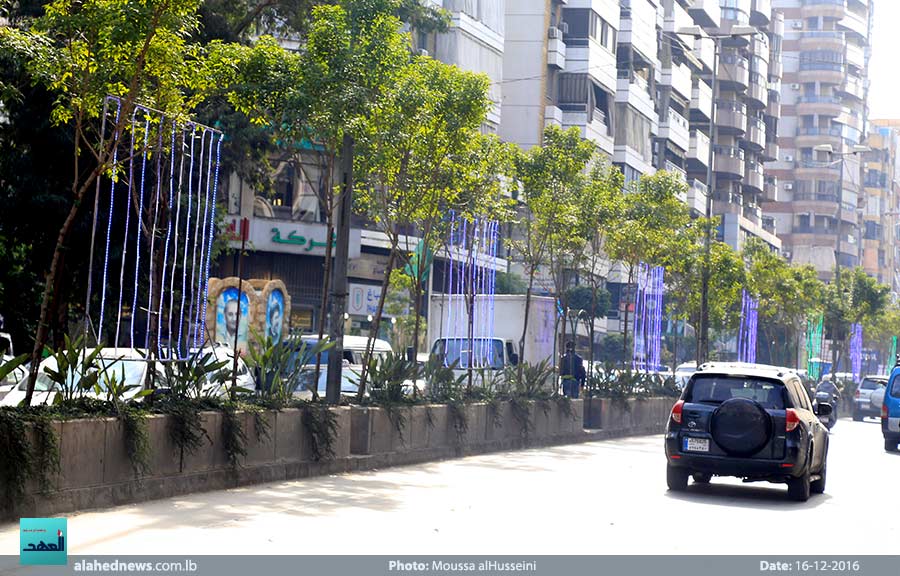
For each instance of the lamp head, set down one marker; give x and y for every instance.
(824, 148)
(695, 31)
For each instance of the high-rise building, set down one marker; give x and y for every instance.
(825, 84)
(881, 204)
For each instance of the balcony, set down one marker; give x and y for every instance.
(831, 40)
(698, 152)
(853, 87)
(632, 89)
(850, 117)
(755, 138)
(704, 52)
(731, 117)
(676, 170)
(728, 162)
(553, 116)
(776, 67)
(556, 50)
(855, 23)
(706, 13)
(594, 129)
(770, 189)
(826, 8)
(587, 56)
(773, 107)
(696, 196)
(855, 56)
(761, 12)
(753, 213)
(812, 136)
(819, 105)
(754, 177)
(821, 71)
(676, 128)
(812, 170)
(679, 78)
(768, 224)
(701, 102)
(637, 27)
(758, 91)
(734, 72)
(770, 152)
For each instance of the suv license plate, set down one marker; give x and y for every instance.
(696, 445)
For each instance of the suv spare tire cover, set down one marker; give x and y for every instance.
(741, 426)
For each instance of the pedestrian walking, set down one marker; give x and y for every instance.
(571, 369)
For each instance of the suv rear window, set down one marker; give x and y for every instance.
(718, 389)
(895, 389)
(869, 384)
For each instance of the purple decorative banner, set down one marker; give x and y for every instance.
(648, 313)
(856, 345)
(747, 331)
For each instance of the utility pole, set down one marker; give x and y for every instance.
(339, 287)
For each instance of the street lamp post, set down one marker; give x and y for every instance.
(698, 33)
(855, 149)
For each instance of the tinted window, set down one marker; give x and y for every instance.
(869, 384)
(480, 352)
(799, 395)
(895, 389)
(718, 389)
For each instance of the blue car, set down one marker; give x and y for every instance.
(890, 412)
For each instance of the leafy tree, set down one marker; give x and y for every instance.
(651, 213)
(553, 178)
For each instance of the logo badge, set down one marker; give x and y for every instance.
(42, 541)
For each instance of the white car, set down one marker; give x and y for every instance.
(128, 365)
(222, 380)
(351, 365)
(19, 374)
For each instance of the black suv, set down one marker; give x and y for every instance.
(751, 421)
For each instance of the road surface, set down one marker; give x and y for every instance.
(598, 498)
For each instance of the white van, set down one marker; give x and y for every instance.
(352, 362)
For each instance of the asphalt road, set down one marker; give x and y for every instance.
(597, 498)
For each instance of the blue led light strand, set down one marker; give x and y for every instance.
(112, 200)
(165, 267)
(187, 239)
(127, 225)
(212, 221)
(140, 229)
(204, 243)
(156, 202)
(197, 240)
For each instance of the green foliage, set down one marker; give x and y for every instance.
(137, 439)
(321, 426)
(76, 369)
(234, 437)
(185, 425)
(510, 283)
(460, 419)
(195, 376)
(280, 368)
(520, 407)
(594, 301)
(46, 451)
(16, 459)
(530, 381)
(441, 381)
(390, 376)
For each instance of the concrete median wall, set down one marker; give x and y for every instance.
(95, 471)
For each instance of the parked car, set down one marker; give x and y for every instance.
(863, 401)
(128, 365)
(220, 382)
(750, 421)
(890, 412)
(18, 374)
(683, 373)
(351, 367)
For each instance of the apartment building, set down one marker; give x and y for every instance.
(825, 84)
(881, 206)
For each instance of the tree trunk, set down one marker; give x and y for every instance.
(525, 323)
(376, 323)
(326, 281)
(625, 330)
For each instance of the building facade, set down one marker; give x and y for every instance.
(881, 206)
(816, 204)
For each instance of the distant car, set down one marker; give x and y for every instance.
(13, 378)
(890, 412)
(351, 365)
(750, 421)
(864, 403)
(683, 373)
(128, 365)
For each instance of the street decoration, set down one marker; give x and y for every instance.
(892, 357)
(747, 335)
(856, 344)
(648, 312)
(165, 179)
(471, 270)
(814, 334)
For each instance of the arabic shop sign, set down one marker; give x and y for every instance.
(299, 238)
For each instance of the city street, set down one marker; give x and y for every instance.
(599, 498)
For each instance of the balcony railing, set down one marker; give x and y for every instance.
(814, 131)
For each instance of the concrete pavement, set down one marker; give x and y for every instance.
(598, 498)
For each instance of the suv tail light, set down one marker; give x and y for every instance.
(857, 393)
(676, 411)
(791, 421)
(884, 411)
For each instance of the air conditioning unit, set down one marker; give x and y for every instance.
(788, 185)
(423, 52)
(553, 32)
(797, 25)
(788, 158)
(564, 26)
(795, 86)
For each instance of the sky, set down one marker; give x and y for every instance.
(884, 67)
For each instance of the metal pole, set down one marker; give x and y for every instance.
(339, 287)
(837, 263)
(710, 187)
